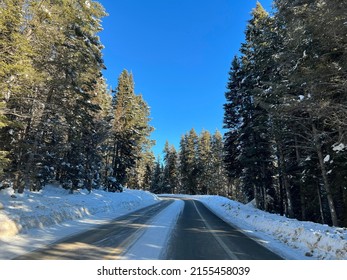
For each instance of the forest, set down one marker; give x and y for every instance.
(196, 168)
(285, 117)
(59, 121)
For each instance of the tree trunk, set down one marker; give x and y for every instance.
(263, 192)
(289, 210)
(255, 193)
(320, 204)
(302, 196)
(280, 187)
(326, 183)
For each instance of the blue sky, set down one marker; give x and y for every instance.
(179, 52)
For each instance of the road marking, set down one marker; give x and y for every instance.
(219, 240)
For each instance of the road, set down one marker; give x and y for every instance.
(199, 235)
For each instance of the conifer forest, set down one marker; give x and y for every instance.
(284, 142)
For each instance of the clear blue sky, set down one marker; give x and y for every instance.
(179, 52)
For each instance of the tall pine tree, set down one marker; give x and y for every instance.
(131, 128)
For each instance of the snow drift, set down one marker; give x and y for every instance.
(53, 205)
(307, 240)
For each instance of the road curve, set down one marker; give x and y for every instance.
(201, 235)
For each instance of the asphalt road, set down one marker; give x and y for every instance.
(201, 235)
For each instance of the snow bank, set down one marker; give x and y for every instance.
(54, 205)
(7, 226)
(306, 240)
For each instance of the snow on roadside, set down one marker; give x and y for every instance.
(31, 220)
(34, 219)
(152, 244)
(290, 238)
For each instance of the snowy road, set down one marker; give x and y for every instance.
(195, 234)
(34, 220)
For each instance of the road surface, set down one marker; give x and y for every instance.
(198, 235)
(201, 235)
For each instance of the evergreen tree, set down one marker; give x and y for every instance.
(141, 174)
(73, 62)
(130, 130)
(220, 185)
(204, 164)
(158, 178)
(16, 77)
(188, 162)
(233, 121)
(148, 175)
(170, 168)
(248, 153)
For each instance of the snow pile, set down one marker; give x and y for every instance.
(306, 240)
(54, 205)
(7, 226)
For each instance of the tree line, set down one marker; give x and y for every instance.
(58, 119)
(285, 115)
(196, 168)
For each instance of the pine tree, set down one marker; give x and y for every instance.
(256, 136)
(141, 174)
(247, 141)
(233, 120)
(204, 164)
(220, 185)
(17, 76)
(170, 168)
(158, 178)
(188, 162)
(73, 62)
(131, 129)
(148, 171)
